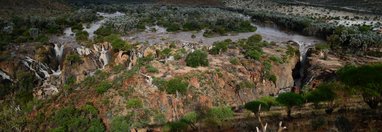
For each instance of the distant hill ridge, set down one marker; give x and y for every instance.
(374, 6)
(9, 8)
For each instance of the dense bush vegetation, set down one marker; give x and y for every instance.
(365, 80)
(220, 46)
(252, 47)
(73, 119)
(357, 39)
(214, 20)
(103, 87)
(37, 29)
(197, 58)
(177, 85)
(290, 100)
(172, 86)
(117, 42)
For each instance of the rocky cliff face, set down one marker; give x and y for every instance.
(322, 65)
(221, 83)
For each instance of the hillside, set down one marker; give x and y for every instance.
(32, 7)
(359, 5)
(13, 8)
(192, 2)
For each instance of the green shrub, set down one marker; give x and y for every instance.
(90, 108)
(322, 46)
(246, 84)
(276, 59)
(234, 61)
(176, 85)
(291, 51)
(25, 86)
(166, 52)
(219, 47)
(160, 83)
(290, 100)
(151, 69)
(177, 126)
(103, 87)
(323, 93)
(134, 103)
(271, 101)
(70, 80)
(118, 68)
(73, 58)
(255, 38)
(72, 119)
(254, 54)
(190, 118)
(272, 78)
(118, 43)
(82, 36)
(173, 27)
(197, 58)
(217, 115)
(104, 31)
(254, 106)
(120, 124)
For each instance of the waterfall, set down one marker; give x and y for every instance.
(303, 49)
(58, 72)
(103, 57)
(5, 76)
(59, 50)
(37, 67)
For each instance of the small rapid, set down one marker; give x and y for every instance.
(5, 75)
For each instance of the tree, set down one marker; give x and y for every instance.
(271, 101)
(365, 80)
(190, 118)
(323, 93)
(290, 100)
(256, 107)
(197, 58)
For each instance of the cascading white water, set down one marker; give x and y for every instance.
(5, 76)
(303, 48)
(37, 67)
(59, 50)
(83, 50)
(57, 73)
(103, 57)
